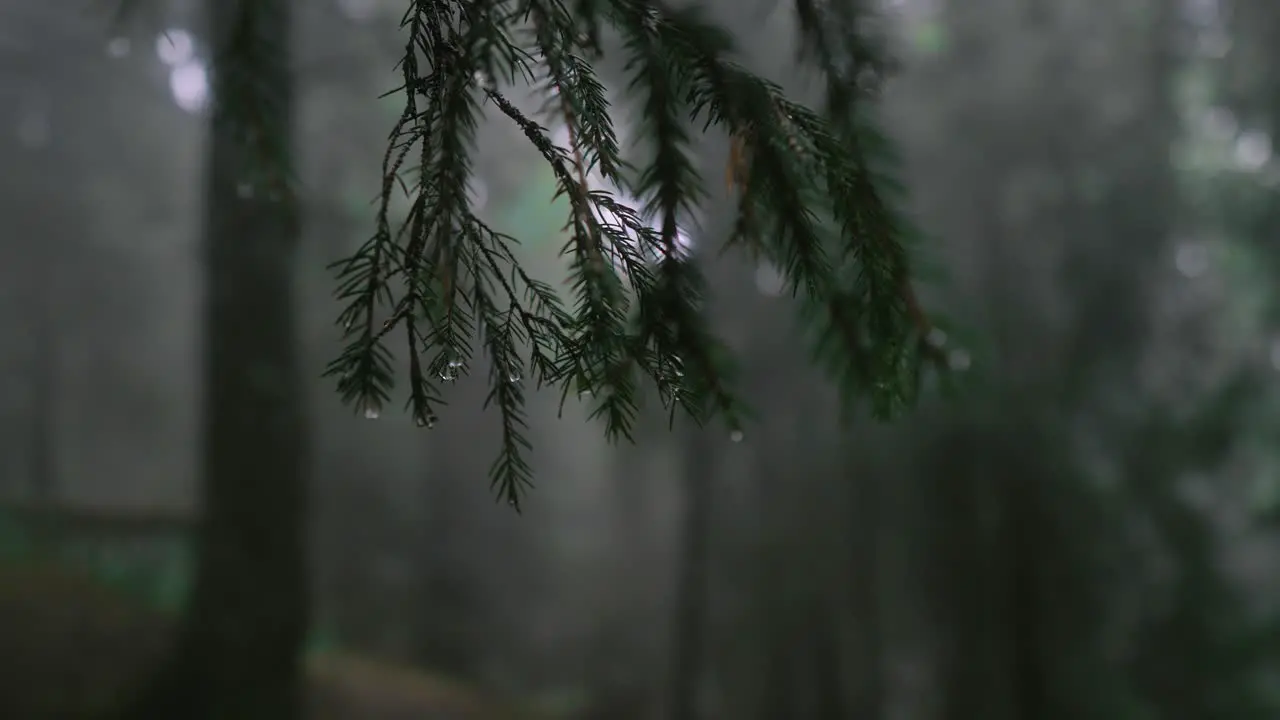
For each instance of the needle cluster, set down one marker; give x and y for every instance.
(814, 198)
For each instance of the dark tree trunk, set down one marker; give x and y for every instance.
(689, 641)
(777, 691)
(445, 637)
(966, 597)
(45, 326)
(238, 653)
(828, 666)
(867, 701)
(1023, 520)
(44, 379)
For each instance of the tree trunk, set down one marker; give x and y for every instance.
(825, 654)
(1023, 521)
(238, 653)
(44, 387)
(444, 638)
(43, 485)
(867, 700)
(689, 639)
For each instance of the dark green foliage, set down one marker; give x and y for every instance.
(814, 200)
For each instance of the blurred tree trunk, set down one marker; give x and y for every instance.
(1025, 521)
(690, 626)
(777, 692)
(44, 198)
(966, 596)
(445, 638)
(866, 581)
(620, 659)
(826, 656)
(238, 653)
(44, 395)
(51, 256)
(43, 457)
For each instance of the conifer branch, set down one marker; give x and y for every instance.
(814, 199)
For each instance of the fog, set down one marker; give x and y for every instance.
(1080, 523)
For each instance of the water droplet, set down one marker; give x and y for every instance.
(372, 411)
(512, 502)
(428, 422)
(651, 19)
(118, 47)
(936, 338)
(513, 376)
(585, 392)
(451, 370)
(736, 436)
(244, 190)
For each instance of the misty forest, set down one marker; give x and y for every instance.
(1040, 482)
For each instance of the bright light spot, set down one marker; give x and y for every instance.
(684, 244)
(1192, 259)
(769, 280)
(1253, 150)
(937, 338)
(118, 47)
(358, 9)
(189, 84)
(175, 47)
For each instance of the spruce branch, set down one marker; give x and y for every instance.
(816, 198)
